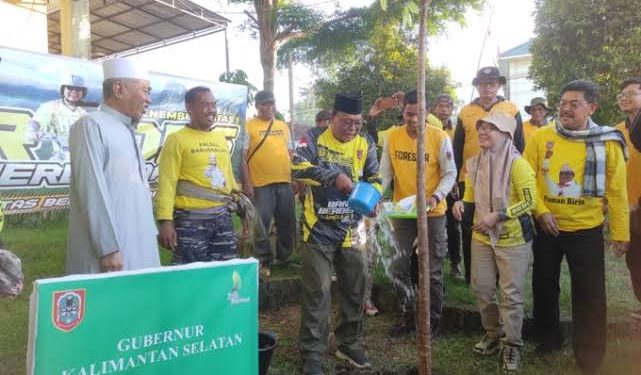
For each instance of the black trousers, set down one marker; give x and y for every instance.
(453, 234)
(583, 250)
(466, 235)
(633, 260)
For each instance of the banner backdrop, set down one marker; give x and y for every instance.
(35, 122)
(193, 319)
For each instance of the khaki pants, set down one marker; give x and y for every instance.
(350, 265)
(510, 264)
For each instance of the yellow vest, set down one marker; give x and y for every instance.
(633, 166)
(549, 154)
(468, 116)
(402, 153)
(200, 157)
(529, 129)
(271, 164)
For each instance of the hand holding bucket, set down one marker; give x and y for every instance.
(364, 198)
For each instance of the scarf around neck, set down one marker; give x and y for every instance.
(490, 173)
(594, 137)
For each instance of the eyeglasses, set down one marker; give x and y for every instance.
(486, 129)
(627, 95)
(575, 104)
(349, 123)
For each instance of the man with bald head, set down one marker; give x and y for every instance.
(111, 223)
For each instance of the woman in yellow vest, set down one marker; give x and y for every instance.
(500, 187)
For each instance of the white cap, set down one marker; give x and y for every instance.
(123, 68)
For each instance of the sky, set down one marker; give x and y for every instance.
(457, 47)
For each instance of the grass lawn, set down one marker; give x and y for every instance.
(40, 244)
(451, 352)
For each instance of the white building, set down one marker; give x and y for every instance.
(514, 64)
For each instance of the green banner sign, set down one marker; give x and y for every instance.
(192, 319)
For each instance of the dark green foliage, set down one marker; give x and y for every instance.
(597, 40)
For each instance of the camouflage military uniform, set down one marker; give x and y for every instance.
(204, 236)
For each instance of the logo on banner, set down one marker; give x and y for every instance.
(234, 296)
(68, 309)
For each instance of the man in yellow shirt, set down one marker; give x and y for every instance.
(398, 164)
(382, 104)
(488, 81)
(194, 185)
(571, 222)
(630, 103)
(538, 110)
(443, 108)
(331, 162)
(266, 176)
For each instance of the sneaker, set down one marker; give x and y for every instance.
(455, 272)
(354, 356)
(405, 326)
(369, 308)
(487, 346)
(510, 359)
(312, 367)
(265, 271)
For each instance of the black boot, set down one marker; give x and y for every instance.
(405, 326)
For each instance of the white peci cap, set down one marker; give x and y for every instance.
(123, 68)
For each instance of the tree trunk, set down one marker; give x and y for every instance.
(424, 336)
(267, 36)
(268, 62)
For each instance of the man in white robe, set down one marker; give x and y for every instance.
(111, 224)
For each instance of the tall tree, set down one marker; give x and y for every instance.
(274, 23)
(424, 326)
(578, 39)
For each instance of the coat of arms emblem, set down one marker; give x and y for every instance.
(68, 309)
